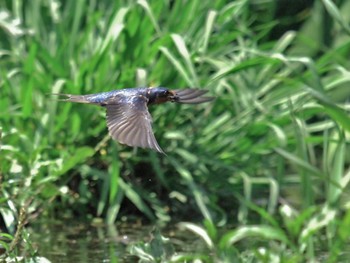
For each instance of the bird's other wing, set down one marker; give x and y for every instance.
(192, 96)
(129, 122)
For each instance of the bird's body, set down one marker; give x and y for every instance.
(128, 119)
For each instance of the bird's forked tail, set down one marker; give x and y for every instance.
(72, 98)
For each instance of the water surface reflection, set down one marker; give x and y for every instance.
(71, 241)
(82, 242)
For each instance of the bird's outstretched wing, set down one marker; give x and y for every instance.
(192, 96)
(129, 122)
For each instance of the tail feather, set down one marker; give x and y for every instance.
(72, 98)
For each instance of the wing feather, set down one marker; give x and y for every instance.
(129, 122)
(192, 96)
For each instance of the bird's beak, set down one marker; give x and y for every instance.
(173, 97)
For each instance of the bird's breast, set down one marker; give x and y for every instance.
(159, 100)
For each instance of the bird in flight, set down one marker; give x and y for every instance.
(128, 118)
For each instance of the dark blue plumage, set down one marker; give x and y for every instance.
(128, 119)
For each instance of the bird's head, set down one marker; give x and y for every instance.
(161, 95)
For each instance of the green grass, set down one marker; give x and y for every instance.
(270, 155)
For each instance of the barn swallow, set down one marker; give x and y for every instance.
(128, 118)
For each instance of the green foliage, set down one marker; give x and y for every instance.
(159, 249)
(277, 134)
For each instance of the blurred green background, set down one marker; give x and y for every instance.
(270, 155)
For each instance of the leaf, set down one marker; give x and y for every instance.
(199, 231)
(334, 12)
(261, 231)
(80, 155)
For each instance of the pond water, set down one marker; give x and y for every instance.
(76, 242)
